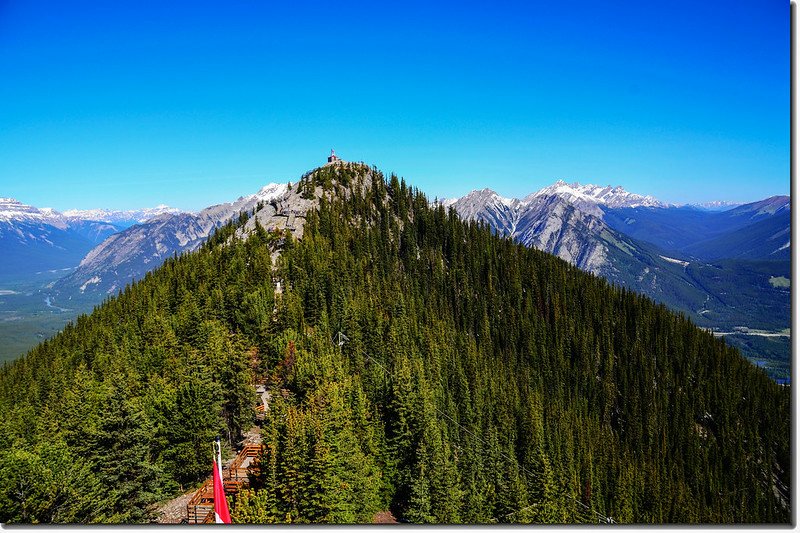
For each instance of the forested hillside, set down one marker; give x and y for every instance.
(474, 380)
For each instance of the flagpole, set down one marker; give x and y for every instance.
(221, 512)
(218, 449)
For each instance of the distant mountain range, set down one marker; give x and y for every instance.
(34, 240)
(759, 230)
(128, 255)
(583, 224)
(717, 266)
(121, 218)
(714, 262)
(716, 205)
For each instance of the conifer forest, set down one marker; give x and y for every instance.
(416, 363)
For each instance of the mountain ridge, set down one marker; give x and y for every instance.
(713, 265)
(129, 254)
(630, 246)
(476, 380)
(613, 197)
(12, 209)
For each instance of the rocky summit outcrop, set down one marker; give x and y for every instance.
(288, 210)
(128, 255)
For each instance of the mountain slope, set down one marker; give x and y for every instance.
(676, 255)
(34, 240)
(757, 230)
(474, 380)
(128, 255)
(672, 228)
(768, 238)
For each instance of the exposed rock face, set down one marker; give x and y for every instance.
(285, 212)
(547, 222)
(288, 210)
(502, 214)
(551, 224)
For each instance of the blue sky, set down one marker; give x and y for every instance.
(131, 104)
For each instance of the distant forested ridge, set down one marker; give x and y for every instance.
(474, 380)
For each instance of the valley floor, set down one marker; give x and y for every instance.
(29, 314)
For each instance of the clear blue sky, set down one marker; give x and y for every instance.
(129, 104)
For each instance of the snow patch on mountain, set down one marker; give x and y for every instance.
(12, 210)
(785, 246)
(119, 216)
(715, 205)
(673, 260)
(588, 195)
(90, 281)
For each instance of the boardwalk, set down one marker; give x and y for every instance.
(200, 509)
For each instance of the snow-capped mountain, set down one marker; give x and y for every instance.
(654, 248)
(715, 205)
(588, 197)
(129, 254)
(35, 240)
(124, 218)
(12, 210)
(564, 220)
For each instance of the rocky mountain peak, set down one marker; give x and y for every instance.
(587, 196)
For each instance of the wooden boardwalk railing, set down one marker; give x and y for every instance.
(200, 509)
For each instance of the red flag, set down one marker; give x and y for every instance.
(221, 514)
